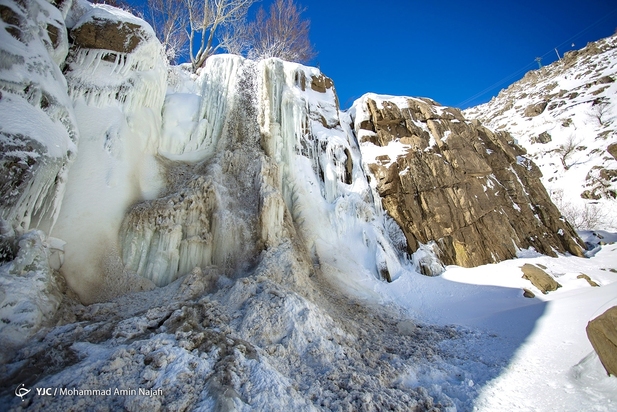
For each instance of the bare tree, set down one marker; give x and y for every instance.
(283, 33)
(169, 19)
(600, 111)
(587, 216)
(565, 151)
(206, 18)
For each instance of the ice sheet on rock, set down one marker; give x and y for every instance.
(193, 122)
(221, 207)
(38, 133)
(118, 109)
(322, 176)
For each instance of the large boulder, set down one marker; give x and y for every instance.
(534, 110)
(602, 333)
(452, 181)
(539, 278)
(119, 36)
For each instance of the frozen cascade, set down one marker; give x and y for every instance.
(265, 141)
(193, 120)
(322, 179)
(117, 98)
(211, 214)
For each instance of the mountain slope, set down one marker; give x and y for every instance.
(565, 115)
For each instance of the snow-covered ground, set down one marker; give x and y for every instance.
(513, 353)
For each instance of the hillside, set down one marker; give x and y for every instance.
(565, 115)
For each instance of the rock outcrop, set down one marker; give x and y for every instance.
(456, 183)
(539, 278)
(602, 333)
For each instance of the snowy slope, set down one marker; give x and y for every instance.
(565, 115)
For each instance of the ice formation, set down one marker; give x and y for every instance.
(256, 155)
(38, 134)
(117, 102)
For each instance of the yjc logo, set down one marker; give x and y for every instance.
(21, 391)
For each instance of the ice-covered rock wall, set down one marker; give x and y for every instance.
(321, 175)
(38, 132)
(38, 138)
(117, 82)
(252, 153)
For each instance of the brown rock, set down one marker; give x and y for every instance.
(528, 294)
(588, 279)
(118, 36)
(321, 83)
(612, 150)
(534, 110)
(543, 138)
(602, 333)
(539, 278)
(466, 188)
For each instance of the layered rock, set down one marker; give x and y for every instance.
(448, 180)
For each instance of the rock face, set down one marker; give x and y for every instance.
(118, 36)
(539, 278)
(602, 333)
(456, 183)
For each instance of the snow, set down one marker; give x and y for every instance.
(527, 354)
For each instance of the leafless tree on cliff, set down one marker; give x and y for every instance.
(206, 19)
(279, 33)
(600, 112)
(565, 151)
(169, 19)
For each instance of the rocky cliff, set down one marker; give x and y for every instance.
(469, 193)
(565, 115)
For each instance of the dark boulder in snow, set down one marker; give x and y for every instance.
(543, 138)
(528, 294)
(539, 278)
(602, 333)
(612, 150)
(535, 109)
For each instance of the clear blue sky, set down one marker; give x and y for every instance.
(449, 51)
(459, 53)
